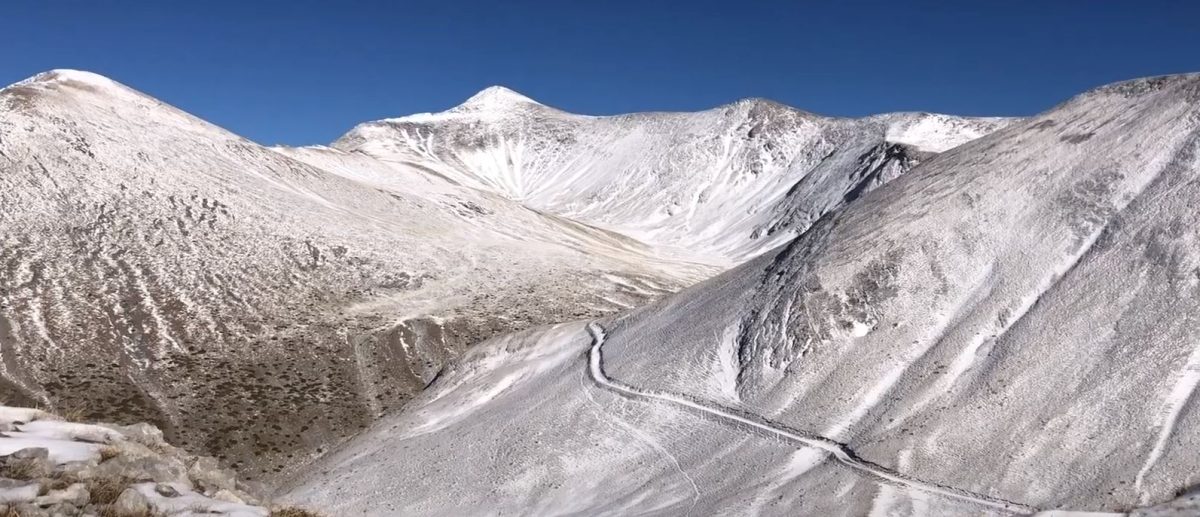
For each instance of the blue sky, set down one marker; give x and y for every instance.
(302, 72)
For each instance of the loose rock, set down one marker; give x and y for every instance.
(13, 491)
(131, 502)
(77, 494)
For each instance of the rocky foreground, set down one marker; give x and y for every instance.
(52, 467)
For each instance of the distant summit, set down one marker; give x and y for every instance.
(494, 97)
(64, 75)
(724, 184)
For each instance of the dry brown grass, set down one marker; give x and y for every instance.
(108, 511)
(292, 511)
(74, 415)
(105, 491)
(63, 477)
(20, 469)
(56, 482)
(109, 452)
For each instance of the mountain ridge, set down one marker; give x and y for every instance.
(156, 266)
(670, 179)
(160, 268)
(1014, 318)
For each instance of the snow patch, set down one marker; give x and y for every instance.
(65, 441)
(937, 133)
(495, 97)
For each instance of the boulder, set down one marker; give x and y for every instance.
(77, 494)
(31, 453)
(209, 476)
(130, 502)
(166, 490)
(65, 510)
(75, 469)
(147, 435)
(228, 496)
(147, 468)
(27, 463)
(132, 449)
(30, 510)
(13, 491)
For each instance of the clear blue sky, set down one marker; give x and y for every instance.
(303, 72)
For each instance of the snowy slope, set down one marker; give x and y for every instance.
(1009, 327)
(156, 267)
(726, 183)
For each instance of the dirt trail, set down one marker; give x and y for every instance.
(839, 451)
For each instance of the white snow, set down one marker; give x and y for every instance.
(64, 75)
(490, 104)
(22, 414)
(837, 450)
(494, 97)
(938, 133)
(1176, 400)
(713, 182)
(136, 236)
(1030, 303)
(1069, 513)
(191, 504)
(22, 493)
(65, 441)
(993, 320)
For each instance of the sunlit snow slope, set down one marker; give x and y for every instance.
(255, 306)
(724, 184)
(1015, 320)
(261, 303)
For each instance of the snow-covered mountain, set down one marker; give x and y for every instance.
(156, 267)
(724, 184)
(260, 304)
(1011, 326)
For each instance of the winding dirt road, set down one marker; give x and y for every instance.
(839, 451)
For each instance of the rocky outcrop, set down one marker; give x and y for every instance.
(52, 467)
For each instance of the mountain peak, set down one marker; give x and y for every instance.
(74, 80)
(69, 75)
(496, 97)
